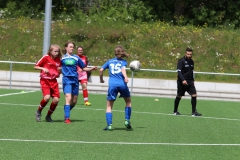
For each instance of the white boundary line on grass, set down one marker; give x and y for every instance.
(121, 143)
(22, 92)
(152, 113)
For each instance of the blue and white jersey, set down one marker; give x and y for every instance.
(114, 67)
(69, 65)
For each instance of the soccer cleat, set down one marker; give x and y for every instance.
(38, 116)
(108, 128)
(48, 119)
(128, 124)
(68, 121)
(87, 104)
(196, 114)
(176, 113)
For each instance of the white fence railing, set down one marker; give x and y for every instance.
(152, 70)
(142, 86)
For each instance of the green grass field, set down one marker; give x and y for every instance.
(156, 134)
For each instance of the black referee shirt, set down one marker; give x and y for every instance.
(185, 69)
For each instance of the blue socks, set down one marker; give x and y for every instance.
(128, 111)
(109, 118)
(67, 111)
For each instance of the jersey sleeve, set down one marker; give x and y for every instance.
(80, 63)
(106, 65)
(180, 66)
(41, 62)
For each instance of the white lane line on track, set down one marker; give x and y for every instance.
(121, 143)
(10, 94)
(151, 113)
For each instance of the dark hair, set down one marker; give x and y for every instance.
(80, 47)
(188, 49)
(66, 44)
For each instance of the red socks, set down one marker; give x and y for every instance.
(43, 103)
(51, 109)
(85, 95)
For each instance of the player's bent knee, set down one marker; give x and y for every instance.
(47, 98)
(55, 100)
(129, 104)
(194, 95)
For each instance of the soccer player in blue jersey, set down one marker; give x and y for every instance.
(117, 84)
(70, 82)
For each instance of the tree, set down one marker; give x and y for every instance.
(179, 7)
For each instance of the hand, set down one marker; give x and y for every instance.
(126, 80)
(184, 82)
(94, 68)
(45, 70)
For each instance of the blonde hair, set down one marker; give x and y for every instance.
(55, 46)
(119, 50)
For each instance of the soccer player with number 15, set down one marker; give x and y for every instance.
(117, 84)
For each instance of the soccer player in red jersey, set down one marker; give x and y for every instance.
(82, 76)
(50, 66)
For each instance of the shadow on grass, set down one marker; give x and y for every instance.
(62, 121)
(141, 127)
(117, 129)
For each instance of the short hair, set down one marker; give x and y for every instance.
(188, 49)
(80, 47)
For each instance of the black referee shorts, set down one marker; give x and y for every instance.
(190, 88)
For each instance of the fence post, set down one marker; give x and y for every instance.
(47, 26)
(10, 82)
(132, 81)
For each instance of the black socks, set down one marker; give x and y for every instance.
(194, 103)
(176, 103)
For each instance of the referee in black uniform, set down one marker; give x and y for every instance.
(185, 82)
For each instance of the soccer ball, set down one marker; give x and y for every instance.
(135, 66)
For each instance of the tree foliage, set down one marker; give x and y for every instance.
(215, 13)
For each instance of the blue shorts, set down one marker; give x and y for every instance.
(70, 85)
(114, 90)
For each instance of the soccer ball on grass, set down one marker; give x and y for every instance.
(135, 66)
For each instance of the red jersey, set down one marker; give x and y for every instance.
(82, 75)
(51, 64)
(84, 59)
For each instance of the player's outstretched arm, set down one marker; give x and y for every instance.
(89, 69)
(125, 75)
(101, 75)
